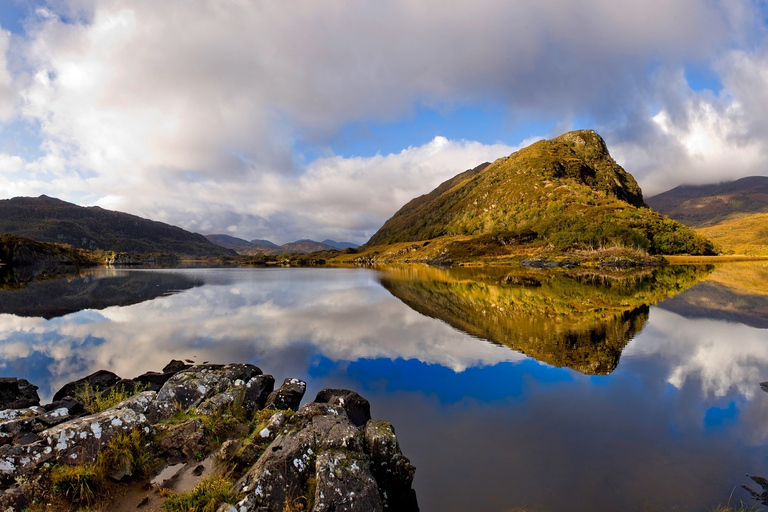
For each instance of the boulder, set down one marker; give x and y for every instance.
(287, 396)
(17, 393)
(176, 366)
(358, 408)
(81, 439)
(257, 392)
(391, 469)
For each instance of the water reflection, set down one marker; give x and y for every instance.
(581, 320)
(94, 289)
(674, 426)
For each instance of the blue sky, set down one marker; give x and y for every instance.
(319, 120)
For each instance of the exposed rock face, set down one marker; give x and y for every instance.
(329, 455)
(355, 468)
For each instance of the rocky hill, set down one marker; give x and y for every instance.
(707, 205)
(47, 219)
(566, 193)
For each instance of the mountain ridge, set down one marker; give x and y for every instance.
(48, 219)
(706, 205)
(258, 246)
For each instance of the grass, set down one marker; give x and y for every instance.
(745, 235)
(95, 401)
(79, 484)
(204, 497)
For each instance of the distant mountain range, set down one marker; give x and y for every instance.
(734, 215)
(266, 247)
(47, 219)
(707, 205)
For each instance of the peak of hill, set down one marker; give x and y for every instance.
(567, 192)
(706, 205)
(47, 219)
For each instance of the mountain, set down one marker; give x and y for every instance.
(707, 205)
(229, 242)
(306, 246)
(266, 247)
(340, 245)
(47, 219)
(566, 193)
(264, 244)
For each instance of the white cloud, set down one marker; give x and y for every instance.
(187, 111)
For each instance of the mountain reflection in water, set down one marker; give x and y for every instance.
(94, 289)
(579, 319)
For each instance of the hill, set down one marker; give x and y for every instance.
(23, 260)
(47, 219)
(566, 194)
(707, 205)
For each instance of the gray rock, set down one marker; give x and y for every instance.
(81, 439)
(391, 469)
(182, 441)
(287, 396)
(258, 389)
(358, 408)
(345, 483)
(192, 386)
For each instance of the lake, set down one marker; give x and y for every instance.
(510, 389)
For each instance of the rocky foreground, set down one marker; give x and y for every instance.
(204, 437)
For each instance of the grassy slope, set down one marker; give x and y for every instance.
(741, 235)
(568, 191)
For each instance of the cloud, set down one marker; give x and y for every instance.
(189, 111)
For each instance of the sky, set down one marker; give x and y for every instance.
(320, 119)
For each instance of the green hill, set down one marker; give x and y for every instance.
(707, 205)
(47, 219)
(567, 193)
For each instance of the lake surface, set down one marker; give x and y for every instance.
(509, 389)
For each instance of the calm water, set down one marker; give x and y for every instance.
(507, 388)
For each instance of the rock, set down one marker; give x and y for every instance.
(392, 470)
(100, 380)
(153, 381)
(81, 439)
(176, 366)
(345, 483)
(358, 409)
(257, 392)
(193, 385)
(321, 440)
(287, 396)
(183, 441)
(17, 394)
